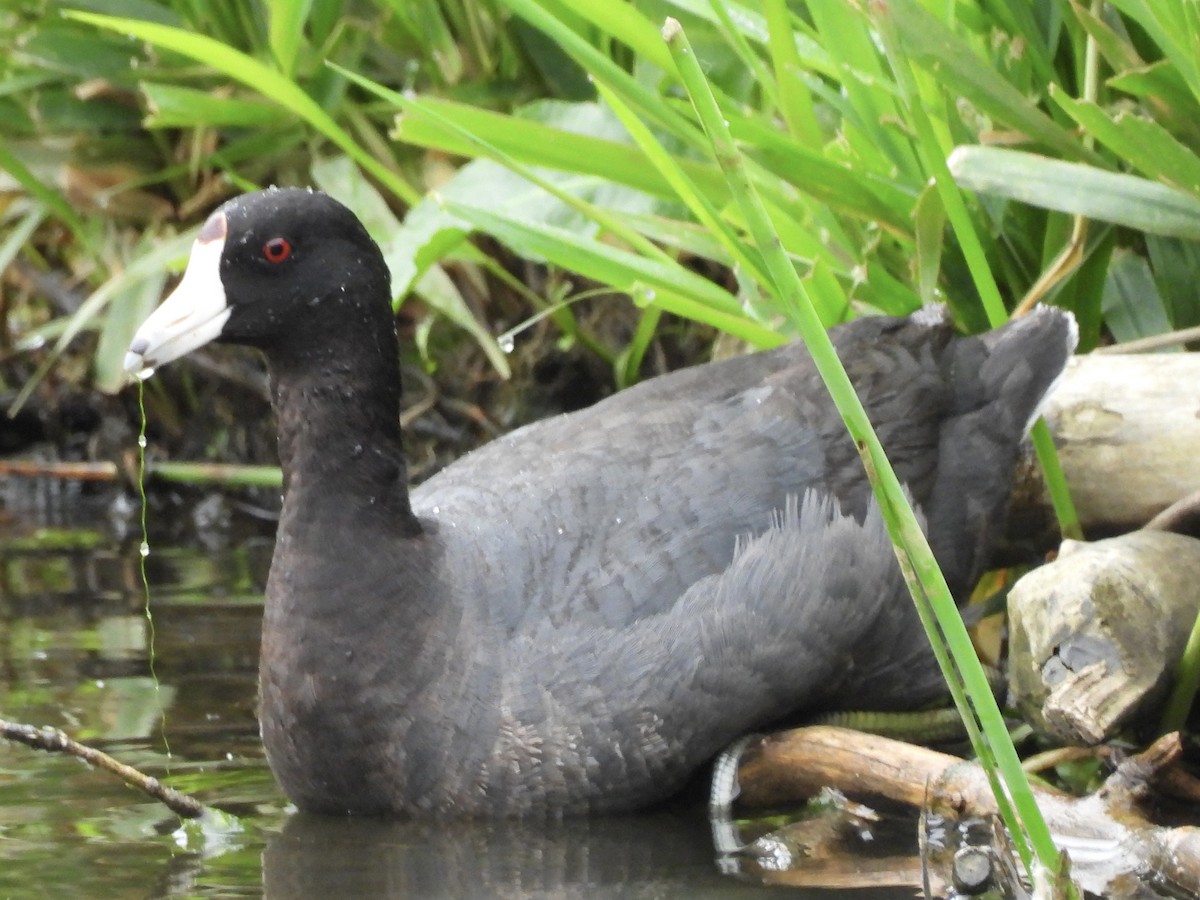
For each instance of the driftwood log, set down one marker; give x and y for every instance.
(1127, 428)
(1095, 636)
(1106, 834)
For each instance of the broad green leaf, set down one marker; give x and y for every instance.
(67, 49)
(431, 229)
(752, 23)
(60, 110)
(558, 148)
(1077, 189)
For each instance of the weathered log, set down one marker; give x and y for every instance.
(1095, 635)
(1127, 427)
(1105, 833)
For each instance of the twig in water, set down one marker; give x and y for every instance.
(55, 741)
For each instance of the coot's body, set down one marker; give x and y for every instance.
(578, 615)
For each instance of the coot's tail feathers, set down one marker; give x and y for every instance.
(1025, 359)
(1001, 381)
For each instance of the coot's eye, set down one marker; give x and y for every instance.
(277, 249)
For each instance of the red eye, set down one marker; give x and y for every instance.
(276, 250)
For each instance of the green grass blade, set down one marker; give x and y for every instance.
(150, 265)
(173, 106)
(51, 199)
(626, 23)
(764, 79)
(861, 74)
(541, 145)
(1077, 189)
(696, 200)
(930, 219)
(670, 285)
(259, 77)
(795, 99)
(646, 101)
(1143, 143)
(929, 43)
(285, 31)
(850, 191)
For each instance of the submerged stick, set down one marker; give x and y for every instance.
(54, 740)
(227, 474)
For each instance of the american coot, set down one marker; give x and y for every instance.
(577, 616)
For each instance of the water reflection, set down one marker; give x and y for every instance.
(652, 855)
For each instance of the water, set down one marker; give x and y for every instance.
(75, 653)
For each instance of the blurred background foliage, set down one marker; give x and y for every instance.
(537, 160)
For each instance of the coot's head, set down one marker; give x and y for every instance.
(277, 269)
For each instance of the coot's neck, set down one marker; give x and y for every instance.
(338, 405)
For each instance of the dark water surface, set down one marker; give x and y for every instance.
(75, 653)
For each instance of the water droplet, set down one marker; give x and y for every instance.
(357, 451)
(506, 343)
(142, 441)
(436, 510)
(144, 549)
(560, 531)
